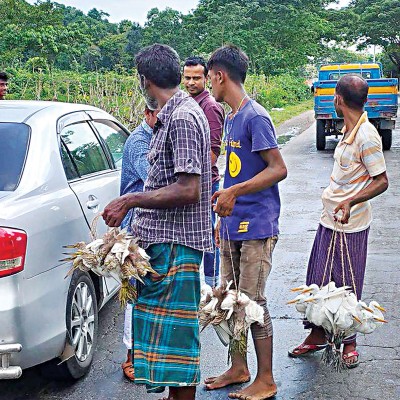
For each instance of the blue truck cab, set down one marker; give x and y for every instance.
(381, 105)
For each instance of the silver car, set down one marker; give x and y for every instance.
(60, 165)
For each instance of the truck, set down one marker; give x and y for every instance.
(381, 105)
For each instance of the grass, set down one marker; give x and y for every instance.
(291, 111)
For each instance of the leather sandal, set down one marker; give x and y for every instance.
(128, 370)
(308, 349)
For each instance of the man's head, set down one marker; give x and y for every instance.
(228, 64)
(150, 116)
(351, 92)
(3, 85)
(195, 75)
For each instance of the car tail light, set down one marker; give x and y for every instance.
(12, 251)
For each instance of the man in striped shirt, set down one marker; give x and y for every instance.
(359, 174)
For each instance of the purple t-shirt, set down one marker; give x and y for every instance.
(255, 216)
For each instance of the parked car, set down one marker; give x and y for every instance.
(59, 166)
(381, 105)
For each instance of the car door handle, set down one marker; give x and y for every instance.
(93, 202)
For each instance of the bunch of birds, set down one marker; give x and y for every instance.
(116, 255)
(339, 313)
(230, 312)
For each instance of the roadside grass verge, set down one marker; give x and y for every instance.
(291, 111)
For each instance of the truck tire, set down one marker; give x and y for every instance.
(386, 135)
(321, 137)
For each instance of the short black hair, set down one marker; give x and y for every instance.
(231, 59)
(159, 64)
(3, 76)
(193, 61)
(354, 90)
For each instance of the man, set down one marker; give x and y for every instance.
(173, 224)
(250, 207)
(3, 85)
(359, 174)
(133, 176)
(195, 79)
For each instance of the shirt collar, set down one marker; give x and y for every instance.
(170, 106)
(146, 127)
(351, 137)
(200, 97)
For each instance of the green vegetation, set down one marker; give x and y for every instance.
(291, 111)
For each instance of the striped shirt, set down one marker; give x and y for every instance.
(357, 159)
(180, 144)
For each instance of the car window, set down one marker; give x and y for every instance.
(115, 138)
(334, 76)
(84, 148)
(69, 167)
(14, 139)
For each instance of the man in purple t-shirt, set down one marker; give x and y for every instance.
(249, 206)
(195, 79)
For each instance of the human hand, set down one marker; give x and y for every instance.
(115, 212)
(226, 200)
(344, 207)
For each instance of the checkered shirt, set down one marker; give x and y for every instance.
(180, 144)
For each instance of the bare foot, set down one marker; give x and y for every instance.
(316, 339)
(230, 377)
(258, 390)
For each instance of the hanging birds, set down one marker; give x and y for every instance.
(338, 311)
(116, 254)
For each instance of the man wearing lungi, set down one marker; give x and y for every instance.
(359, 174)
(249, 206)
(173, 224)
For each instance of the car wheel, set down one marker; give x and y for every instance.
(386, 135)
(321, 138)
(82, 329)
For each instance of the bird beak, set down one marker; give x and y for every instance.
(381, 308)
(311, 299)
(357, 319)
(380, 320)
(292, 301)
(306, 290)
(368, 309)
(296, 289)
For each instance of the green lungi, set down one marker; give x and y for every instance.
(165, 319)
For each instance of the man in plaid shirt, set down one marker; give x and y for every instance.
(173, 224)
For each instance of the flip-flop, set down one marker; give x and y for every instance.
(310, 348)
(351, 354)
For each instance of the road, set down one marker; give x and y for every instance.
(378, 375)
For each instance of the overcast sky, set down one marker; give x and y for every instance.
(134, 10)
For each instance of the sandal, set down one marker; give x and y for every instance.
(351, 354)
(129, 371)
(309, 348)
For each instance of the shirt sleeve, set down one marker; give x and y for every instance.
(215, 117)
(372, 156)
(186, 146)
(138, 158)
(262, 133)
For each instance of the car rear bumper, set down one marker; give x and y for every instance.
(8, 371)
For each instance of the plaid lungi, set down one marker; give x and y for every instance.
(165, 319)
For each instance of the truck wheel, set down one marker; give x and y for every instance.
(82, 330)
(321, 138)
(386, 135)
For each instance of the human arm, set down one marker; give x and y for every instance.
(185, 191)
(215, 117)
(138, 158)
(274, 172)
(378, 185)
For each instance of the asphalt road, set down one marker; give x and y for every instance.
(377, 377)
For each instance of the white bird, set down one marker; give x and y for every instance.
(318, 314)
(299, 302)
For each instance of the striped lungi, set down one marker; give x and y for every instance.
(165, 319)
(357, 247)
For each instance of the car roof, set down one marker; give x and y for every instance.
(21, 110)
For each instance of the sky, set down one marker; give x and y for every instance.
(134, 10)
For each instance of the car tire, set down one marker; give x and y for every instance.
(321, 137)
(386, 135)
(82, 330)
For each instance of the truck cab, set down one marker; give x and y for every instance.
(381, 105)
